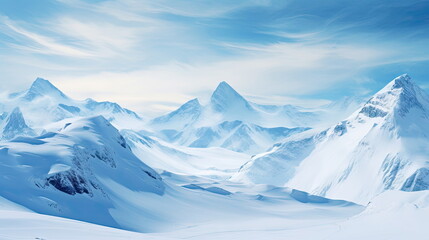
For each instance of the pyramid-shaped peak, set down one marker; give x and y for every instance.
(16, 125)
(225, 92)
(224, 87)
(42, 87)
(16, 117)
(400, 96)
(41, 84)
(224, 84)
(41, 81)
(225, 98)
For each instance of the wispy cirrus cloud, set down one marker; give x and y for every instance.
(153, 55)
(27, 40)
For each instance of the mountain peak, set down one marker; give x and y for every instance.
(192, 104)
(224, 89)
(225, 97)
(400, 96)
(42, 87)
(402, 81)
(41, 83)
(16, 125)
(179, 118)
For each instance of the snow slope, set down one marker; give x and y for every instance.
(279, 164)
(27, 225)
(393, 215)
(216, 163)
(195, 214)
(70, 173)
(382, 146)
(390, 215)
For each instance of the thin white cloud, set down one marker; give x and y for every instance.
(141, 55)
(280, 69)
(288, 71)
(41, 44)
(104, 38)
(132, 9)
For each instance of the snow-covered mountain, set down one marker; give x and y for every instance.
(382, 146)
(226, 104)
(77, 172)
(43, 104)
(233, 135)
(230, 121)
(81, 167)
(14, 125)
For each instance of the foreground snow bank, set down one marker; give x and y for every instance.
(391, 215)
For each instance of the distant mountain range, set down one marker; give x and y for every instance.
(232, 122)
(42, 104)
(104, 164)
(228, 120)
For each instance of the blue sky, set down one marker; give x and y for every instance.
(152, 56)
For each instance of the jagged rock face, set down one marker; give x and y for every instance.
(382, 146)
(71, 109)
(397, 98)
(15, 125)
(69, 182)
(418, 181)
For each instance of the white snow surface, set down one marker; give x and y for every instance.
(67, 172)
(382, 146)
(275, 219)
(70, 173)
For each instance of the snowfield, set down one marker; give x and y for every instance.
(231, 169)
(392, 215)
